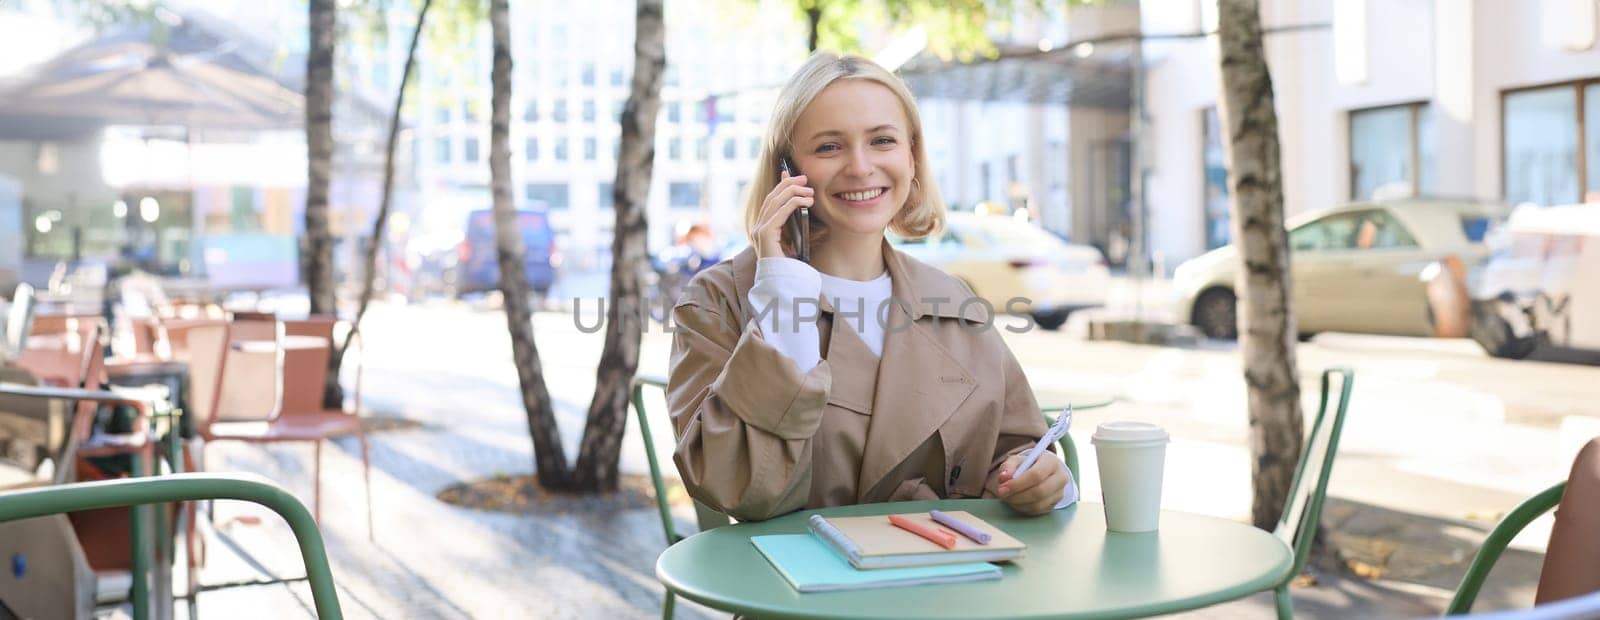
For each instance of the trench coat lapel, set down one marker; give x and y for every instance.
(920, 384)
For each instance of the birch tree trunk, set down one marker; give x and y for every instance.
(608, 411)
(1266, 319)
(550, 459)
(316, 246)
(380, 223)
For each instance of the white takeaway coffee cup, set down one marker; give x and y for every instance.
(1131, 456)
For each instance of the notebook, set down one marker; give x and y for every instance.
(873, 542)
(810, 566)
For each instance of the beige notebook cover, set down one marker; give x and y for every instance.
(874, 542)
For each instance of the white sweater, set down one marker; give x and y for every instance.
(780, 281)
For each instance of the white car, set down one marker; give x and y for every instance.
(1002, 259)
(1355, 268)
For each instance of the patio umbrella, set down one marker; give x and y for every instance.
(123, 80)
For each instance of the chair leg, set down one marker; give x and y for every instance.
(316, 475)
(666, 607)
(140, 592)
(366, 476)
(1285, 604)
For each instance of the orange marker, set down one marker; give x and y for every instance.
(938, 537)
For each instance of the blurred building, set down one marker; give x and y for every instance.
(1045, 127)
(1485, 99)
(1488, 99)
(572, 75)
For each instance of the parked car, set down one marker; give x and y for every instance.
(1001, 258)
(480, 270)
(1354, 268)
(1540, 286)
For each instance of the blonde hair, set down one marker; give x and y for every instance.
(923, 212)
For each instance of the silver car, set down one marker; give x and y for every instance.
(1002, 259)
(1355, 268)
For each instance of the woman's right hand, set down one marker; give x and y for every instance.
(789, 194)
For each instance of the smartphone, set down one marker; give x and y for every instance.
(799, 226)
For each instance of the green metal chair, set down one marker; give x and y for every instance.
(1496, 543)
(706, 517)
(42, 501)
(1297, 526)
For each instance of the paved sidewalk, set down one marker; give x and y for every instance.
(452, 375)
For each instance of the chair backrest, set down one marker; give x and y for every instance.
(19, 321)
(1496, 543)
(253, 376)
(255, 326)
(172, 488)
(91, 375)
(208, 349)
(705, 516)
(1303, 510)
(305, 370)
(175, 332)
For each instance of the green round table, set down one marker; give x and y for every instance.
(1074, 568)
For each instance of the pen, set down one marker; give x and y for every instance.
(966, 529)
(937, 537)
(1050, 436)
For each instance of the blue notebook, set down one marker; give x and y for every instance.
(811, 566)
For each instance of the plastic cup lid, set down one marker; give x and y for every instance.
(1129, 431)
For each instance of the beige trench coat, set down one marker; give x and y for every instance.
(936, 418)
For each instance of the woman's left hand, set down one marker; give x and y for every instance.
(1037, 490)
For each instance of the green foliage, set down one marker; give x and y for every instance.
(958, 29)
(103, 15)
(448, 46)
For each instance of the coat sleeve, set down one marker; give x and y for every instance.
(1021, 424)
(743, 412)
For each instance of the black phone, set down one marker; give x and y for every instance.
(798, 230)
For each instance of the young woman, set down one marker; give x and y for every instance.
(860, 377)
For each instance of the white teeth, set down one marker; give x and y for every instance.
(859, 196)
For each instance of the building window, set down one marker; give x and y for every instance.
(1215, 171)
(683, 194)
(561, 149)
(616, 149)
(588, 149)
(675, 149)
(549, 195)
(588, 110)
(616, 110)
(560, 113)
(1386, 157)
(730, 148)
(1551, 144)
(531, 152)
(532, 113)
(588, 74)
(441, 115)
(607, 195)
(675, 112)
(616, 77)
(441, 150)
(700, 149)
(755, 148)
(469, 149)
(469, 113)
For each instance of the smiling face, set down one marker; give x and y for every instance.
(853, 143)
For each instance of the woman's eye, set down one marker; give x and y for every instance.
(883, 140)
(827, 147)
